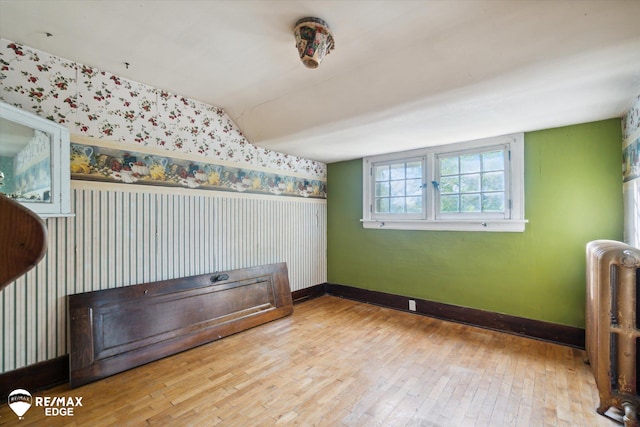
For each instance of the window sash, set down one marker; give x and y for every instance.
(399, 188)
(462, 183)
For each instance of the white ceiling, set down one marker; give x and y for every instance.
(403, 75)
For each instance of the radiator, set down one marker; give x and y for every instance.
(612, 329)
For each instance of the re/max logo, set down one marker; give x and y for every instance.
(58, 401)
(58, 406)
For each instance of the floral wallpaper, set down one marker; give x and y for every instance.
(631, 120)
(631, 146)
(98, 104)
(631, 161)
(113, 165)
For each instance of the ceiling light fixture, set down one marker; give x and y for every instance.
(314, 40)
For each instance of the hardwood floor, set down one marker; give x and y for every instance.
(337, 362)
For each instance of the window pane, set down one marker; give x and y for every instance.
(397, 205)
(382, 173)
(414, 170)
(397, 171)
(382, 205)
(449, 184)
(382, 189)
(449, 204)
(414, 187)
(493, 202)
(449, 166)
(493, 181)
(397, 188)
(470, 203)
(470, 163)
(493, 161)
(414, 205)
(470, 183)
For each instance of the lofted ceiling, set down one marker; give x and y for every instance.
(403, 75)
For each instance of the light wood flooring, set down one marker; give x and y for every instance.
(336, 362)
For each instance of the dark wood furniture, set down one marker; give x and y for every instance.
(23, 240)
(117, 329)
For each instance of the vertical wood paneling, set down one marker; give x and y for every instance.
(123, 237)
(9, 293)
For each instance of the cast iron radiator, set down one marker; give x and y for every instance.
(612, 329)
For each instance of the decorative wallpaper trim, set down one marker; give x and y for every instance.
(631, 121)
(123, 146)
(631, 161)
(631, 142)
(97, 163)
(98, 104)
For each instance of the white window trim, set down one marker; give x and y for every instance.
(516, 222)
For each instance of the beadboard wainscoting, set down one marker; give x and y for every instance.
(124, 235)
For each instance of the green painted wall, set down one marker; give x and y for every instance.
(573, 194)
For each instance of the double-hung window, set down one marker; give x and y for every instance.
(475, 185)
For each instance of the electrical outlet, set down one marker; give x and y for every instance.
(412, 305)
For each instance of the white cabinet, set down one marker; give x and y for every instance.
(34, 162)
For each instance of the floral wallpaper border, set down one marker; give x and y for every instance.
(631, 147)
(94, 163)
(631, 161)
(98, 104)
(631, 120)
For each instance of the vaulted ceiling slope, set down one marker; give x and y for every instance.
(403, 75)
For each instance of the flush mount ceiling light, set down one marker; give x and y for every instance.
(314, 40)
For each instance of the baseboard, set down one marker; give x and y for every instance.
(36, 377)
(309, 293)
(552, 332)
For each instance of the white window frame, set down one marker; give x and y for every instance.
(512, 221)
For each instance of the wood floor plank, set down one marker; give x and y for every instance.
(336, 362)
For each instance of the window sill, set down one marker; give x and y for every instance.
(513, 226)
